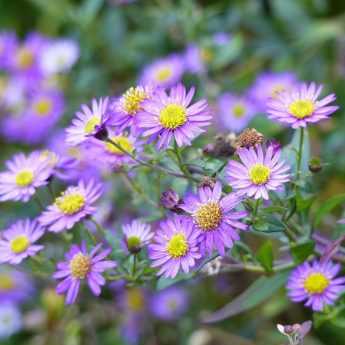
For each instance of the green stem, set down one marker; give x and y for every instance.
(300, 153)
(99, 228)
(182, 166)
(256, 208)
(134, 268)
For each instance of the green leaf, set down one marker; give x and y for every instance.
(265, 256)
(327, 206)
(258, 292)
(302, 251)
(163, 283)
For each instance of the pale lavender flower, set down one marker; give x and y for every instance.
(258, 173)
(215, 218)
(8, 44)
(136, 235)
(24, 175)
(301, 106)
(175, 246)
(194, 60)
(18, 241)
(171, 116)
(315, 283)
(10, 320)
(74, 204)
(165, 72)
(81, 265)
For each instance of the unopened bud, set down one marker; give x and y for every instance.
(171, 200)
(315, 164)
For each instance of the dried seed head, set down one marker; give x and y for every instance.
(248, 138)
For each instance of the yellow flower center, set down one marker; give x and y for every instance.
(177, 245)
(132, 100)
(24, 178)
(316, 283)
(301, 108)
(25, 58)
(6, 282)
(276, 90)
(19, 244)
(208, 216)
(163, 74)
(206, 54)
(259, 173)
(133, 242)
(173, 116)
(238, 110)
(135, 299)
(121, 141)
(80, 266)
(43, 107)
(91, 124)
(70, 203)
(50, 156)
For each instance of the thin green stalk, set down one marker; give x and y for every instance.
(134, 268)
(300, 153)
(180, 163)
(99, 228)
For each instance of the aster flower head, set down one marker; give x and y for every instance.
(315, 283)
(10, 320)
(81, 265)
(301, 106)
(194, 59)
(175, 246)
(169, 304)
(15, 286)
(74, 204)
(215, 218)
(164, 72)
(88, 122)
(235, 112)
(18, 241)
(136, 235)
(23, 176)
(172, 116)
(59, 56)
(128, 106)
(258, 172)
(269, 85)
(8, 44)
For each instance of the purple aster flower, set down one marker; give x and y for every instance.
(269, 84)
(25, 60)
(301, 106)
(169, 304)
(74, 204)
(8, 44)
(15, 286)
(172, 116)
(88, 121)
(59, 56)
(10, 320)
(136, 235)
(18, 241)
(258, 172)
(215, 218)
(128, 106)
(80, 265)
(175, 246)
(110, 155)
(221, 38)
(24, 175)
(194, 59)
(316, 284)
(164, 72)
(235, 112)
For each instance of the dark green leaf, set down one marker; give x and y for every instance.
(302, 251)
(327, 206)
(265, 256)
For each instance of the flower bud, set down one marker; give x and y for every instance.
(171, 200)
(315, 165)
(222, 147)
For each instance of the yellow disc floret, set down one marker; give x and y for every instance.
(6, 282)
(19, 244)
(70, 203)
(123, 142)
(43, 107)
(80, 266)
(316, 283)
(24, 178)
(177, 245)
(208, 216)
(135, 299)
(173, 116)
(91, 124)
(24, 58)
(301, 108)
(163, 74)
(259, 173)
(132, 100)
(239, 110)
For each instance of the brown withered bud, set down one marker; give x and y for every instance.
(248, 138)
(223, 146)
(207, 182)
(171, 201)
